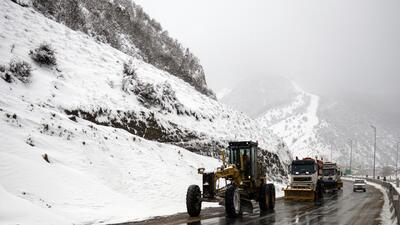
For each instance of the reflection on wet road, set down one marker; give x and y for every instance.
(343, 207)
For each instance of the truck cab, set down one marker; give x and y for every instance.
(303, 173)
(331, 176)
(305, 181)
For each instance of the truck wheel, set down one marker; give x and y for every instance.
(318, 191)
(264, 199)
(232, 202)
(193, 200)
(271, 196)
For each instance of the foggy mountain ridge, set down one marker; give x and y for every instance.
(346, 49)
(313, 125)
(255, 95)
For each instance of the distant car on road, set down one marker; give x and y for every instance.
(359, 185)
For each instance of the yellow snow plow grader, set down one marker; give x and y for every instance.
(305, 180)
(237, 184)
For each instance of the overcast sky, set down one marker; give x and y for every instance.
(327, 46)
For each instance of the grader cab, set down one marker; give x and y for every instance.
(238, 184)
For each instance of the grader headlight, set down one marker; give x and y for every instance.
(201, 170)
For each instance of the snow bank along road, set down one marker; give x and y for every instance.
(344, 207)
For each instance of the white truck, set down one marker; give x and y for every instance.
(305, 183)
(331, 177)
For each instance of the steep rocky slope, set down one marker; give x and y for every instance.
(126, 27)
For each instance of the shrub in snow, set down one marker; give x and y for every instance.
(46, 157)
(168, 97)
(129, 81)
(19, 69)
(129, 70)
(130, 84)
(44, 54)
(147, 94)
(29, 141)
(161, 96)
(4, 75)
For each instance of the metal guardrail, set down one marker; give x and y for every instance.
(392, 194)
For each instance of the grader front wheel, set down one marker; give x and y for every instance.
(232, 202)
(193, 200)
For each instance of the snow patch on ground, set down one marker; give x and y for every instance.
(99, 175)
(386, 215)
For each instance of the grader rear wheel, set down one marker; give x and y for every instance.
(232, 202)
(193, 200)
(265, 198)
(272, 196)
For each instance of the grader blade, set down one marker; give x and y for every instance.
(299, 194)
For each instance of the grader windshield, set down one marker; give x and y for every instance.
(243, 156)
(235, 154)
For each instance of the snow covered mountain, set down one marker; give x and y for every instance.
(125, 26)
(295, 123)
(99, 136)
(313, 126)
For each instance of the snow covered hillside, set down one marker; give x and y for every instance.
(296, 124)
(125, 26)
(86, 141)
(311, 125)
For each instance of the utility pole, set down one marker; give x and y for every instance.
(351, 153)
(397, 162)
(374, 128)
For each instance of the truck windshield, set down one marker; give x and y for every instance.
(303, 167)
(329, 172)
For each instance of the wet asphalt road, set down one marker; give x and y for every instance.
(343, 207)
